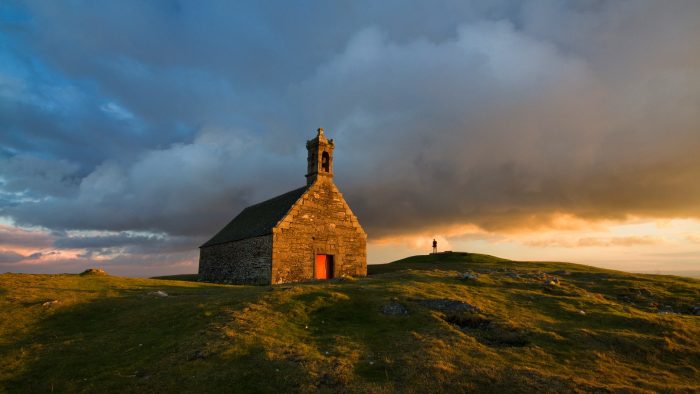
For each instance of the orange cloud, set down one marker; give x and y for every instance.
(422, 240)
(567, 242)
(694, 238)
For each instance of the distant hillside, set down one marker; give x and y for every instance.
(449, 322)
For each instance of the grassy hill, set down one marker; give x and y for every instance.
(411, 326)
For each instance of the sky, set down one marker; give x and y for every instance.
(131, 131)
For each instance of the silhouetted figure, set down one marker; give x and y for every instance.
(434, 246)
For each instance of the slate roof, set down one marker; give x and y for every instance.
(258, 219)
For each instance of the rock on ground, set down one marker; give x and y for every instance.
(93, 271)
(393, 308)
(159, 293)
(468, 276)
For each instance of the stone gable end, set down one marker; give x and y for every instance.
(319, 222)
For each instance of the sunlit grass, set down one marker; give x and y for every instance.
(597, 330)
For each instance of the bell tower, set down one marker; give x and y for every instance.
(320, 158)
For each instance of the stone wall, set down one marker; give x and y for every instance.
(319, 223)
(248, 261)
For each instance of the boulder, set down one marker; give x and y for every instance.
(468, 276)
(159, 293)
(393, 308)
(94, 272)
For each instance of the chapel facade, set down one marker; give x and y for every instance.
(305, 234)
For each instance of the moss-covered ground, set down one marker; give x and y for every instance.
(512, 329)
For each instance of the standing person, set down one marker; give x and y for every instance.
(434, 246)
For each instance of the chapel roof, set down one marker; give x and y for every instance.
(257, 220)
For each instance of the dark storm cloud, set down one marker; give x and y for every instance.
(503, 129)
(41, 177)
(499, 114)
(8, 256)
(104, 241)
(12, 237)
(48, 116)
(126, 243)
(180, 190)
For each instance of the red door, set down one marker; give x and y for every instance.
(321, 272)
(324, 266)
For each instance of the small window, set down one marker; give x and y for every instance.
(326, 162)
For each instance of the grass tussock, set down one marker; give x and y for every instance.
(415, 325)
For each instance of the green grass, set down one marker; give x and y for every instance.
(185, 277)
(454, 260)
(109, 334)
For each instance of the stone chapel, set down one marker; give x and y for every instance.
(305, 234)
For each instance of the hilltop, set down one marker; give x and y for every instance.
(448, 322)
